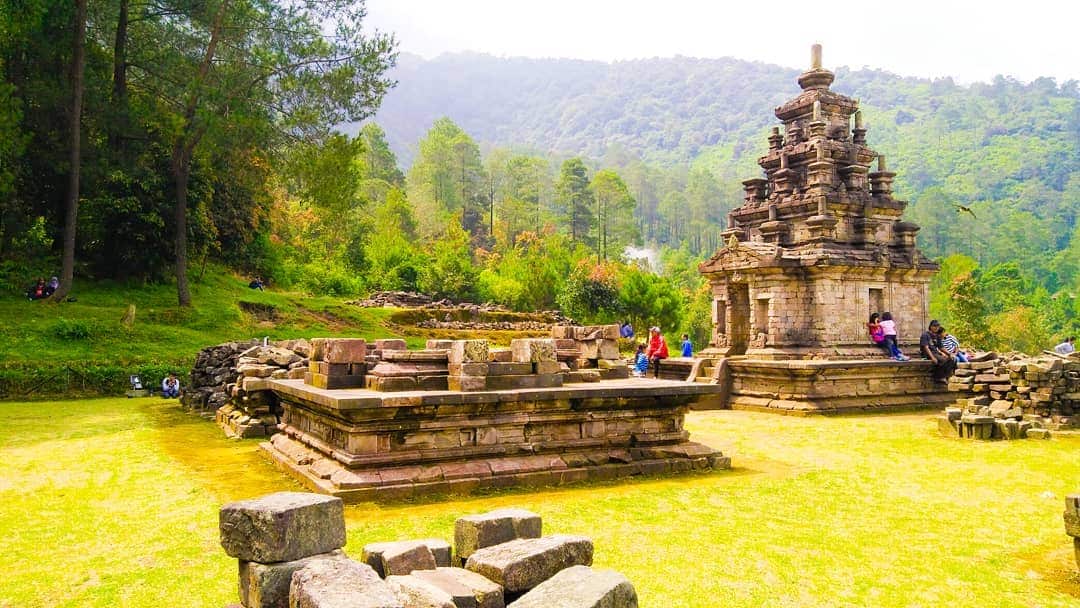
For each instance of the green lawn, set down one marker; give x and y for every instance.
(113, 502)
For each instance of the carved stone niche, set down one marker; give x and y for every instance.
(758, 341)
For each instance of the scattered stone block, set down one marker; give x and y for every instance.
(438, 344)
(948, 427)
(1034, 433)
(333, 382)
(282, 527)
(581, 587)
(474, 532)
(1072, 515)
(418, 593)
(520, 565)
(404, 558)
(467, 589)
(385, 344)
(267, 585)
(373, 552)
(340, 584)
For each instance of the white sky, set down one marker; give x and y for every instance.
(968, 40)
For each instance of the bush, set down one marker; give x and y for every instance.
(72, 329)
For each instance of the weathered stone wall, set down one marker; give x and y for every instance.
(232, 381)
(289, 550)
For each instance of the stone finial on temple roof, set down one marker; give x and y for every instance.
(858, 119)
(816, 77)
(815, 57)
(817, 110)
(881, 163)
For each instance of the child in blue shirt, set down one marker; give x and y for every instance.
(641, 362)
(687, 347)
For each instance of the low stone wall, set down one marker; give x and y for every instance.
(822, 387)
(289, 550)
(1013, 396)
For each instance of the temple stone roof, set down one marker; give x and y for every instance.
(821, 200)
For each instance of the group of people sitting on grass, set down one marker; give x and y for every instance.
(656, 350)
(935, 344)
(41, 290)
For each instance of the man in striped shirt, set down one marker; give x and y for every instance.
(951, 345)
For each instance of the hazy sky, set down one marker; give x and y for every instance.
(968, 40)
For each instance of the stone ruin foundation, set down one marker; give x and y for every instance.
(288, 546)
(1013, 396)
(819, 243)
(460, 415)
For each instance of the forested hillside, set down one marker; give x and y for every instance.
(141, 148)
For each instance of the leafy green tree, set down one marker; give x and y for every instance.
(969, 312)
(591, 293)
(245, 71)
(451, 272)
(648, 299)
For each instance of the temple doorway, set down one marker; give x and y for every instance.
(739, 318)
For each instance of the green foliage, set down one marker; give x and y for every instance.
(447, 176)
(648, 299)
(968, 311)
(450, 272)
(591, 293)
(572, 191)
(72, 329)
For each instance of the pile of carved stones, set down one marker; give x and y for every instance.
(1013, 396)
(232, 380)
(289, 548)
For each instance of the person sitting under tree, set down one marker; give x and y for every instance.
(37, 291)
(170, 386)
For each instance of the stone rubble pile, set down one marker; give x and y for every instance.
(289, 550)
(232, 380)
(1013, 396)
(484, 326)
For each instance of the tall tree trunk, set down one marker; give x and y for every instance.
(181, 168)
(119, 90)
(67, 264)
(183, 150)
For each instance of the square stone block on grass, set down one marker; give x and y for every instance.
(282, 527)
(581, 587)
(267, 585)
(520, 565)
(340, 584)
(474, 532)
(404, 559)
(338, 350)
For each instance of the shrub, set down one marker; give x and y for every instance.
(72, 329)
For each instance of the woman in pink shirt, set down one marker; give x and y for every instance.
(888, 327)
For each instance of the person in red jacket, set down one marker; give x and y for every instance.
(657, 350)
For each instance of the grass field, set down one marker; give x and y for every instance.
(113, 502)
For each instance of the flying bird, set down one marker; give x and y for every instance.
(963, 209)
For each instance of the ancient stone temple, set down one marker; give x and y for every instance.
(817, 245)
(819, 242)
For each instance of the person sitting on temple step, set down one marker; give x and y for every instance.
(951, 345)
(657, 350)
(930, 346)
